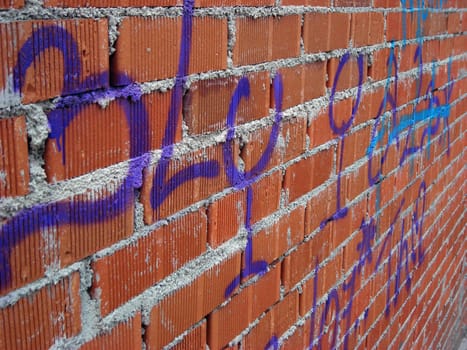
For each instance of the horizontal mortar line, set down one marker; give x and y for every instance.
(85, 178)
(14, 296)
(40, 12)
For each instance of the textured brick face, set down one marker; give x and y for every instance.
(233, 174)
(82, 46)
(14, 157)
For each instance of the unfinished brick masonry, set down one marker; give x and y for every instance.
(233, 174)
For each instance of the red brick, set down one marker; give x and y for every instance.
(315, 80)
(285, 313)
(360, 28)
(297, 84)
(254, 148)
(38, 319)
(379, 67)
(307, 174)
(342, 112)
(376, 34)
(4, 4)
(14, 163)
(293, 133)
(387, 3)
(225, 217)
(242, 309)
(357, 182)
(454, 23)
(195, 189)
(135, 58)
(293, 86)
(339, 34)
(31, 256)
(330, 272)
(130, 270)
(125, 335)
(258, 337)
(45, 78)
(236, 314)
(355, 146)
(207, 102)
(218, 278)
(286, 32)
(349, 75)
(299, 339)
(316, 32)
(218, 3)
(394, 26)
(175, 313)
(265, 292)
(435, 24)
(88, 143)
(319, 130)
(272, 242)
(253, 41)
(326, 3)
(266, 196)
(364, 109)
(297, 265)
(194, 340)
(298, 178)
(352, 3)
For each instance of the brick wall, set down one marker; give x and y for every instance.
(245, 174)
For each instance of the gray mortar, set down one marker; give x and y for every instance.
(92, 322)
(36, 10)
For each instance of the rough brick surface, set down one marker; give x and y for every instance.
(233, 174)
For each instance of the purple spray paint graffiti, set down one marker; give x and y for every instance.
(58, 214)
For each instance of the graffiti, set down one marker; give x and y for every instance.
(44, 216)
(416, 253)
(434, 111)
(273, 344)
(419, 10)
(242, 179)
(342, 129)
(161, 187)
(409, 250)
(385, 133)
(58, 214)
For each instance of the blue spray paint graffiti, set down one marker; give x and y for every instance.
(408, 121)
(244, 179)
(342, 129)
(273, 344)
(58, 214)
(161, 187)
